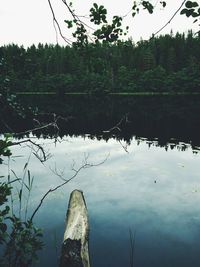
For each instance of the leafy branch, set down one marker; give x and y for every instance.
(192, 9)
(103, 31)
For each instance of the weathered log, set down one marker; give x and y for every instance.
(75, 252)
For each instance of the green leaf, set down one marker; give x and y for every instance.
(163, 3)
(190, 4)
(95, 5)
(187, 12)
(194, 15)
(147, 5)
(69, 23)
(183, 11)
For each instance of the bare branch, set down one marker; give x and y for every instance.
(76, 172)
(54, 25)
(58, 25)
(124, 16)
(170, 19)
(41, 127)
(44, 157)
(59, 173)
(125, 147)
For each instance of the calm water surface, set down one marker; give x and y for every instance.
(150, 191)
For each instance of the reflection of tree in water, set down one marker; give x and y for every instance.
(164, 121)
(171, 144)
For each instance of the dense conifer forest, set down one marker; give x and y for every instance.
(168, 63)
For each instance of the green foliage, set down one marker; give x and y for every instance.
(153, 80)
(4, 146)
(135, 9)
(106, 32)
(81, 36)
(5, 192)
(4, 150)
(163, 3)
(19, 239)
(147, 5)
(69, 23)
(98, 14)
(103, 66)
(23, 244)
(111, 32)
(191, 4)
(192, 9)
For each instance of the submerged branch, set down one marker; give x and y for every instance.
(118, 125)
(44, 157)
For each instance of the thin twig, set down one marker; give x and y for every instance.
(60, 174)
(54, 25)
(37, 128)
(58, 25)
(41, 127)
(124, 16)
(118, 125)
(124, 146)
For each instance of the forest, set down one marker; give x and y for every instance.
(164, 64)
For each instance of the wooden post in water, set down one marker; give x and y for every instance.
(75, 252)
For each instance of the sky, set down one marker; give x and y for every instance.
(27, 22)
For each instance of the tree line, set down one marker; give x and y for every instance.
(168, 63)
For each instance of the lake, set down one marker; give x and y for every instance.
(149, 190)
(147, 185)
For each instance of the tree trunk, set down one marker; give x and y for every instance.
(75, 252)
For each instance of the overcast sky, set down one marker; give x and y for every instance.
(30, 21)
